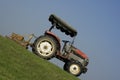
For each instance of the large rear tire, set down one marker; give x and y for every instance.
(45, 46)
(74, 68)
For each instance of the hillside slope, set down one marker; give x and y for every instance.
(16, 63)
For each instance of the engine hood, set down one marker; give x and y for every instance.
(80, 53)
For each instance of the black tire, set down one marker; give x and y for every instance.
(65, 66)
(74, 68)
(45, 47)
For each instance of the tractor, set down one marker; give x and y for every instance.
(49, 45)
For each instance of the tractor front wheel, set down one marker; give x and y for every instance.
(74, 68)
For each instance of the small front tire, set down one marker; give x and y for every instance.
(74, 68)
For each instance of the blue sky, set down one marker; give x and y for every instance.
(97, 23)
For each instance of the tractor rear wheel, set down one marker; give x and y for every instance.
(45, 47)
(74, 68)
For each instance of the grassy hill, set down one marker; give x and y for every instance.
(16, 63)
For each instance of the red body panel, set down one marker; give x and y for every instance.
(81, 53)
(53, 35)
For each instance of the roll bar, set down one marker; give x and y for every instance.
(60, 24)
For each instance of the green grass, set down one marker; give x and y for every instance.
(17, 63)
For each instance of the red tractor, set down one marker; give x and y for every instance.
(49, 45)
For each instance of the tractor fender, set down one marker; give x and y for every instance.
(55, 37)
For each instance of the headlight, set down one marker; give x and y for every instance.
(86, 62)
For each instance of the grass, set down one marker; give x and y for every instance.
(17, 63)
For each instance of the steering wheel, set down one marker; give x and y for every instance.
(65, 41)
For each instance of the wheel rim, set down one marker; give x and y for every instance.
(45, 48)
(74, 69)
